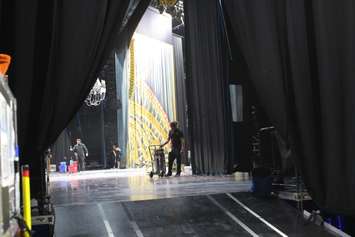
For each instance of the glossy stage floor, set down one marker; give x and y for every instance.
(129, 203)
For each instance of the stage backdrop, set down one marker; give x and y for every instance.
(146, 81)
(151, 96)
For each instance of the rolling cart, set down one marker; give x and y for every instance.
(158, 160)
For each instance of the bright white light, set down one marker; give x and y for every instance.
(97, 93)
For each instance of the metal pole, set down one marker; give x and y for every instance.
(26, 199)
(103, 143)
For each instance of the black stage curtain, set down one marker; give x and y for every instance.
(207, 88)
(60, 149)
(1, 3)
(58, 49)
(300, 56)
(181, 103)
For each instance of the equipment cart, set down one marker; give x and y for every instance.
(158, 160)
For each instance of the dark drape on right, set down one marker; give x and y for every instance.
(301, 57)
(207, 88)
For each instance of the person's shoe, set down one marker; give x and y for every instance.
(169, 174)
(177, 175)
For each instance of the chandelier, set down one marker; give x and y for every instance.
(168, 3)
(97, 93)
(163, 5)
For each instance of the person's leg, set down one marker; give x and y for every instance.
(76, 158)
(171, 162)
(79, 165)
(82, 162)
(178, 162)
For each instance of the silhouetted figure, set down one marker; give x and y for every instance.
(176, 138)
(115, 158)
(81, 153)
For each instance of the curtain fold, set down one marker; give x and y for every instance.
(58, 49)
(181, 103)
(300, 56)
(207, 88)
(60, 149)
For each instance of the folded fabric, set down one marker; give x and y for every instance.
(4, 63)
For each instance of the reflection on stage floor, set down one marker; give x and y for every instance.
(129, 203)
(135, 184)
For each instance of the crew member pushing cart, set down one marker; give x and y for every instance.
(176, 138)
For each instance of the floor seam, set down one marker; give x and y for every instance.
(256, 215)
(106, 222)
(233, 217)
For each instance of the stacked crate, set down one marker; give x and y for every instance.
(9, 162)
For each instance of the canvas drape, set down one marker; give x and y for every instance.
(301, 57)
(151, 97)
(58, 49)
(122, 75)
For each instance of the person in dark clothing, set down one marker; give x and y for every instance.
(112, 159)
(81, 153)
(115, 157)
(176, 138)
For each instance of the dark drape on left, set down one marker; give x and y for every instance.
(58, 49)
(300, 56)
(60, 148)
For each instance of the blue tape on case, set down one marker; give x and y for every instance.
(17, 151)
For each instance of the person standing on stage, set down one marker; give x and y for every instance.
(115, 157)
(81, 153)
(176, 138)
